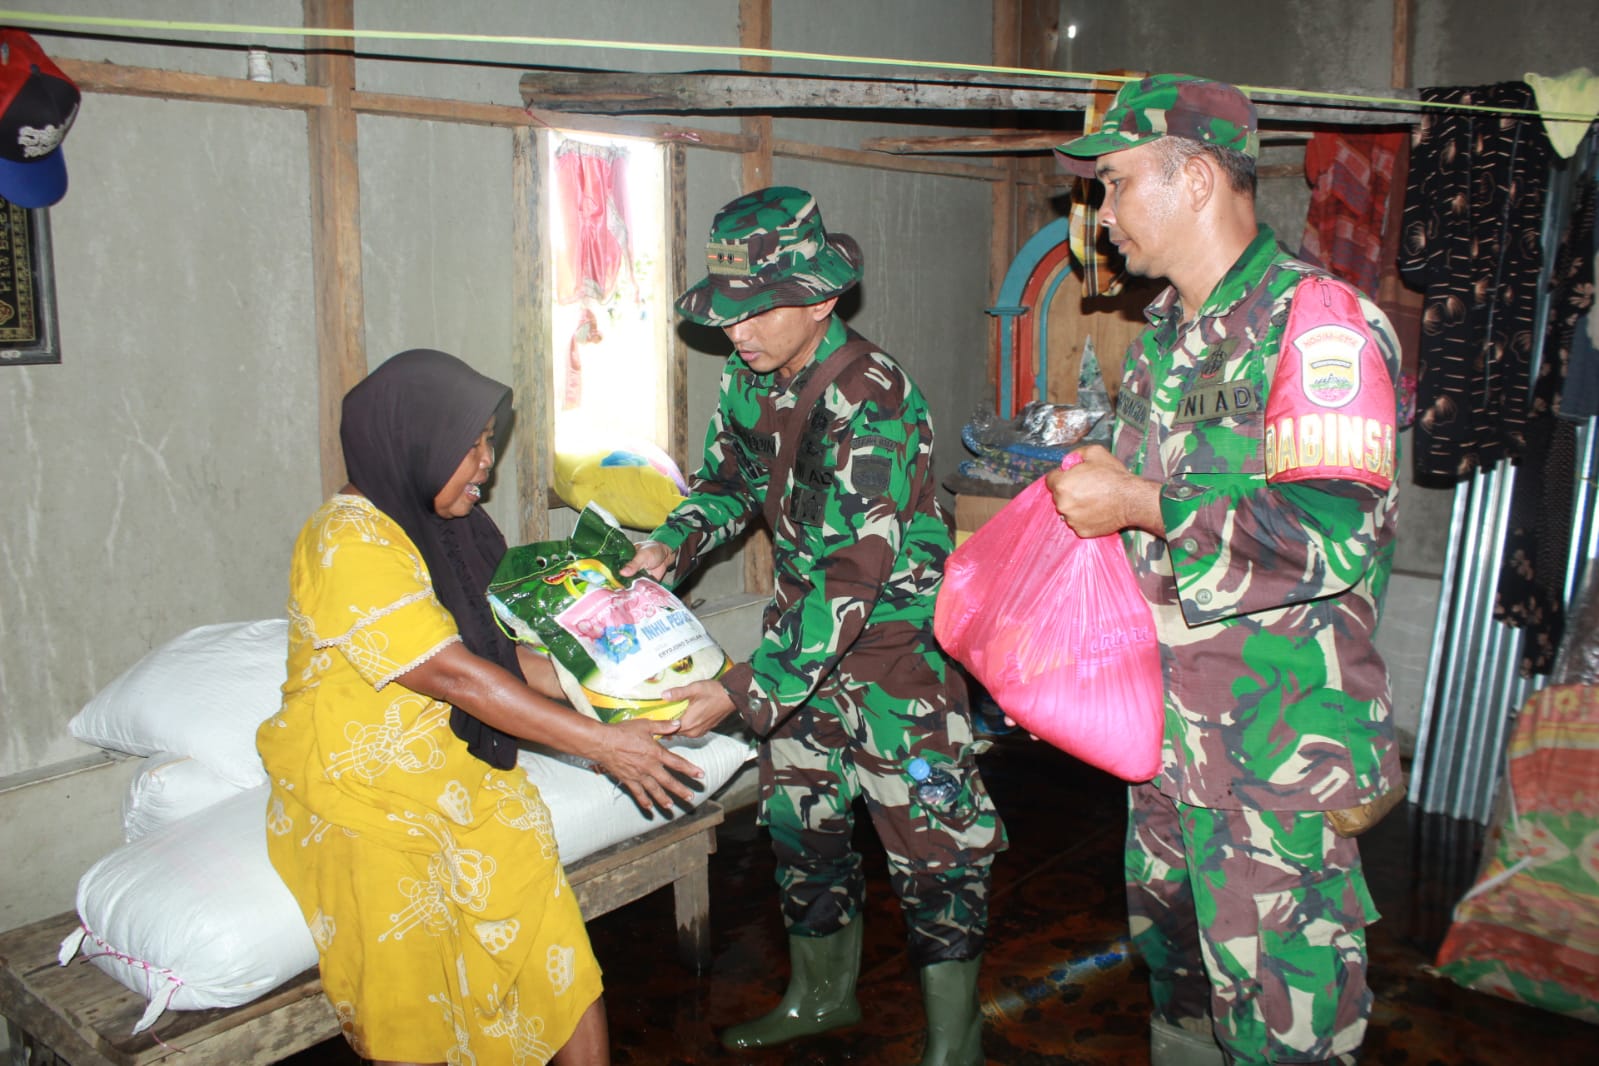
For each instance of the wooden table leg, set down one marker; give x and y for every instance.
(691, 897)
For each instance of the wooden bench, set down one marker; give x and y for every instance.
(77, 1016)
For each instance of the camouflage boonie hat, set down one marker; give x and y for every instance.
(769, 249)
(1167, 105)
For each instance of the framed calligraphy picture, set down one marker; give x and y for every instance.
(27, 287)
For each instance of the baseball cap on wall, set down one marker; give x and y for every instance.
(38, 104)
(1167, 105)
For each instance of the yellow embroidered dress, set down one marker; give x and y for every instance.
(429, 879)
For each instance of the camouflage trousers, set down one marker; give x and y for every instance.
(853, 739)
(1254, 919)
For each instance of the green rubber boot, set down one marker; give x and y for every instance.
(954, 1020)
(820, 996)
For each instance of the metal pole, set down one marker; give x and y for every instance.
(1421, 764)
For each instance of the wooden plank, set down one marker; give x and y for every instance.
(973, 143)
(532, 373)
(84, 1016)
(1400, 73)
(758, 568)
(1002, 206)
(755, 31)
(625, 93)
(684, 827)
(478, 114)
(336, 230)
(677, 282)
(116, 80)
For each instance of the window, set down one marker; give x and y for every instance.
(611, 325)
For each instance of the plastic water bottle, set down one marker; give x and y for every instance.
(932, 788)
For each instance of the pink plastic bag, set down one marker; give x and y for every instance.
(1054, 627)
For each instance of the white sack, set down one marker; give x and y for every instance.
(169, 788)
(194, 916)
(201, 694)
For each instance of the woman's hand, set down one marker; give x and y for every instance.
(650, 557)
(708, 704)
(627, 751)
(631, 753)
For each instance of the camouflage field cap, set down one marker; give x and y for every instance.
(769, 249)
(1167, 105)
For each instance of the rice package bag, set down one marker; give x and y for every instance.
(617, 643)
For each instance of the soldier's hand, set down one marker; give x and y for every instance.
(631, 754)
(650, 557)
(708, 704)
(1100, 495)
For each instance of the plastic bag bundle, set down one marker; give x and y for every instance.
(1577, 662)
(1054, 627)
(633, 480)
(616, 645)
(1027, 446)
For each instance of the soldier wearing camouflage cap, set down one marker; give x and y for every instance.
(1252, 480)
(847, 688)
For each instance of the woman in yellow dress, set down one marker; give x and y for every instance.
(421, 856)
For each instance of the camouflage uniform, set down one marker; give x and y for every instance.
(847, 684)
(1266, 600)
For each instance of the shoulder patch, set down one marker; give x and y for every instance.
(1331, 413)
(871, 473)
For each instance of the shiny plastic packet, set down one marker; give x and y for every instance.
(616, 643)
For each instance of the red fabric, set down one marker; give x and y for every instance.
(1350, 176)
(592, 208)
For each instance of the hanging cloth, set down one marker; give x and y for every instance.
(1576, 92)
(1532, 575)
(1472, 241)
(1104, 272)
(590, 186)
(1349, 175)
(587, 331)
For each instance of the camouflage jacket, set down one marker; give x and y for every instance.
(862, 541)
(1266, 597)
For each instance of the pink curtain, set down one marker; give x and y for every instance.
(590, 188)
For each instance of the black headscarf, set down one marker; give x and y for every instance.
(405, 430)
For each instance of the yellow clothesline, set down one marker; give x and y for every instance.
(253, 33)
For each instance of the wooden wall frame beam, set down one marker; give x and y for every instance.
(116, 80)
(755, 31)
(336, 225)
(532, 375)
(1002, 242)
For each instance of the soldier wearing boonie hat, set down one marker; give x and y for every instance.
(769, 249)
(1252, 453)
(847, 688)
